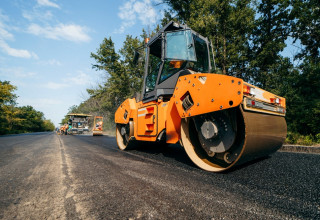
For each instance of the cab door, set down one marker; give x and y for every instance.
(148, 120)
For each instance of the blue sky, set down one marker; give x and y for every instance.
(45, 46)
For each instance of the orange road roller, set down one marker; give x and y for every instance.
(221, 121)
(97, 126)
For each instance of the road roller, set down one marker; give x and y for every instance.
(220, 120)
(97, 126)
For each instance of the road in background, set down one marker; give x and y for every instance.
(44, 175)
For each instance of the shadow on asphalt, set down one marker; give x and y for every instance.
(246, 164)
(173, 151)
(22, 134)
(159, 151)
(177, 152)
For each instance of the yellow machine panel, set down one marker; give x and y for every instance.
(147, 121)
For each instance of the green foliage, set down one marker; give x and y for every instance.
(306, 106)
(268, 40)
(19, 119)
(305, 22)
(7, 101)
(308, 140)
(48, 125)
(123, 77)
(317, 138)
(30, 119)
(7, 97)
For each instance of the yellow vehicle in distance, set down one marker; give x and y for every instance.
(78, 123)
(97, 126)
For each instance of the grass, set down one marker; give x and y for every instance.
(110, 132)
(307, 140)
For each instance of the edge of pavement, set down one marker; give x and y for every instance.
(300, 149)
(285, 148)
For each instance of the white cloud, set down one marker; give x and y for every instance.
(47, 3)
(18, 76)
(37, 15)
(80, 79)
(6, 35)
(51, 62)
(16, 52)
(16, 72)
(71, 32)
(39, 102)
(3, 17)
(146, 13)
(53, 85)
(134, 10)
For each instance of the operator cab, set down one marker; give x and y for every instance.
(174, 51)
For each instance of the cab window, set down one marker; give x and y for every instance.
(171, 67)
(153, 66)
(202, 63)
(179, 46)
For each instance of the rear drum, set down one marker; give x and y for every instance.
(255, 135)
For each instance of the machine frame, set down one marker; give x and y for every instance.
(79, 123)
(97, 129)
(220, 120)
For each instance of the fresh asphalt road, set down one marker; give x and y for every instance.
(46, 176)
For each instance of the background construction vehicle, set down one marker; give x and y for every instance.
(63, 129)
(221, 121)
(79, 123)
(97, 126)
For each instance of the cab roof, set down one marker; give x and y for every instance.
(79, 115)
(171, 26)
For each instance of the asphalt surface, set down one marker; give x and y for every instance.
(46, 176)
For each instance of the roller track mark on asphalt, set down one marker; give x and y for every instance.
(248, 206)
(225, 198)
(71, 207)
(142, 161)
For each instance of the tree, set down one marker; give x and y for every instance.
(305, 28)
(268, 40)
(7, 103)
(31, 120)
(123, 78)
(48, 125)
(305, 22)
(227, 23)
(15, 119)
(7, 96)
(306, 106)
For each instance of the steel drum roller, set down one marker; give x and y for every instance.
(257, 135)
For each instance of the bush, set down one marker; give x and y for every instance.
(295, 138)
(317, 138)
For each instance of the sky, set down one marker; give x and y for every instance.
(45, 46)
